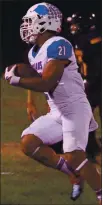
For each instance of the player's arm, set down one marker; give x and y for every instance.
(29, 97)
(58, 54)
(32, 110)
(51, 75)
(31, 107)
(83, 66)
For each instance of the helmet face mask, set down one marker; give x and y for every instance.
(35, 23)
(29, 29)
(26, 30)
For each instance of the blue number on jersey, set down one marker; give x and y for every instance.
(60, 49)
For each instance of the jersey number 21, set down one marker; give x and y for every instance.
(61, 50)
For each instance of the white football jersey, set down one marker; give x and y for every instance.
(70, 88)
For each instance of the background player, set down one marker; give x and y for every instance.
(86, 39)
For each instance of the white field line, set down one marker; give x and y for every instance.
(7, 173)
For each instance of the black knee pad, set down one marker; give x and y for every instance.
(93, 147)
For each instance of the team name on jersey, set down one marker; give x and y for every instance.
(38, 65)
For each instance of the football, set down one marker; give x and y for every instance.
(24, 70)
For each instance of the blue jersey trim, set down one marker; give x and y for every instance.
(34, 53)
(60, 49)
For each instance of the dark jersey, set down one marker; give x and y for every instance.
(92, 57)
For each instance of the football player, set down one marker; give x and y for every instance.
(70, 116)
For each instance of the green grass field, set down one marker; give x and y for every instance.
(24, 181)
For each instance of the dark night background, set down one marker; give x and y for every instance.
(12, 47)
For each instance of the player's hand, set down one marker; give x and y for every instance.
(31, 111)
(10, 76)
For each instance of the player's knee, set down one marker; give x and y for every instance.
(29, 144)
(80, 161)
(75, 158)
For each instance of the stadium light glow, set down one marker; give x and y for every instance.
(74, 15)
(93, 15)
(69, 19)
